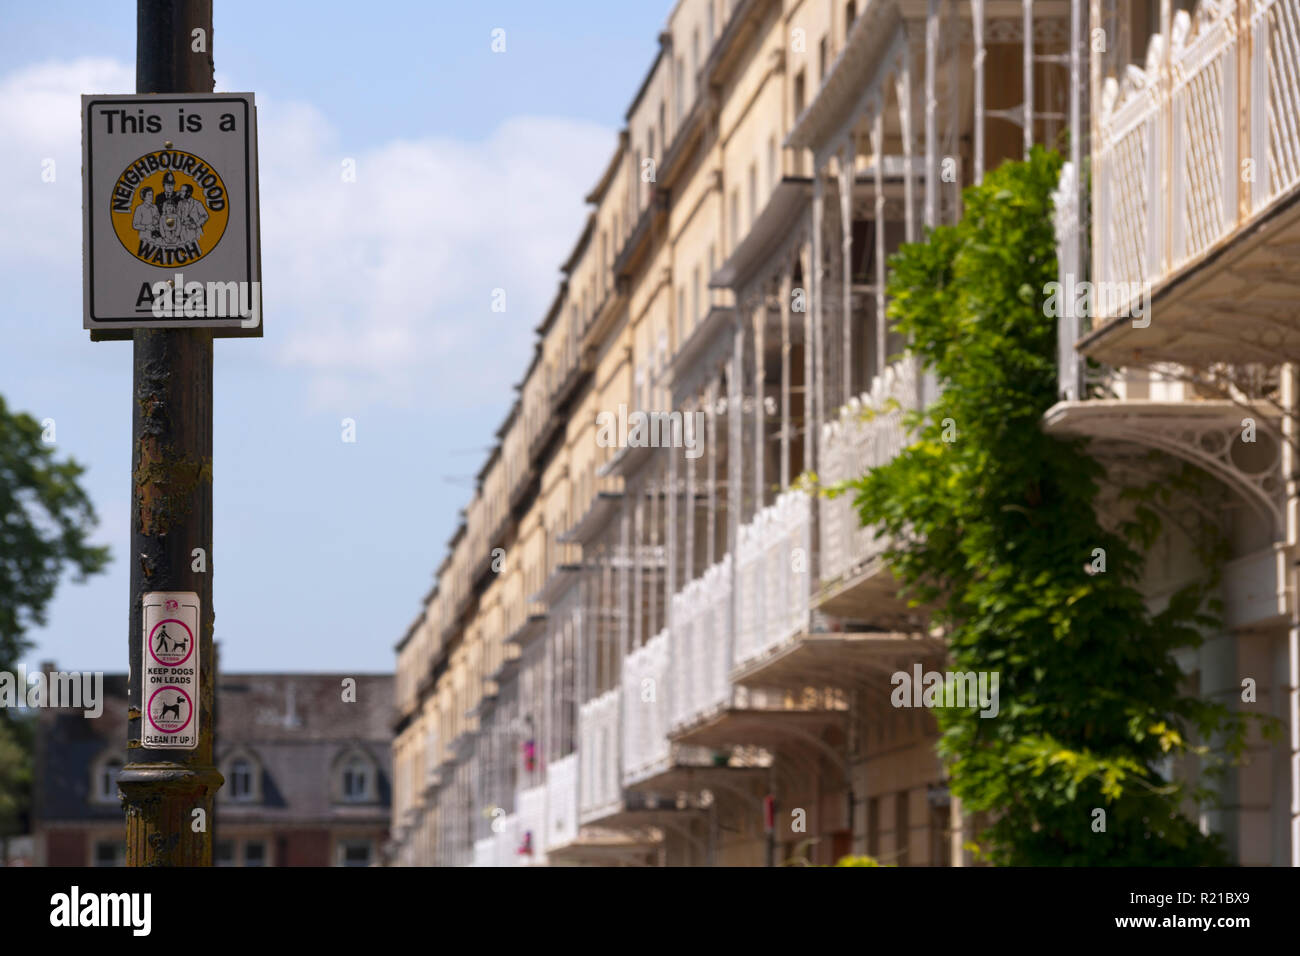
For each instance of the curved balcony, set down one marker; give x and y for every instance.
(1196, 177)
(530, 815)
(774, 555)
(646, 749)
(561, 802)
(868, 433)
(701, 616)
(599, 794)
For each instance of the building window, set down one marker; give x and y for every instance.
(902, 829)
(104, 780)
(695, 293)
(695, 57)
(679, 96)
(110, 853)
(753, 193)
(850, 14)
(254, 853)
(354, 853)
(357, 780)
(636, 181)
(799, 93)
(735, 219)
(873, 827)
(773, 163)
(710, 20)
(940, 836)
(223, 853)
(681, 316)
(822, 57)
(241, 780)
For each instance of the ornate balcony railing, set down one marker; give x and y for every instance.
(774, 559)
(485, 851)
(507, 840)
(1170, 178)
(646, 749)
(530, 846)
(598, 767)
(562, 801)
(699, 654)
(869, 433)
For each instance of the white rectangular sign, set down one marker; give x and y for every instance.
(169, 685)
(169, 211)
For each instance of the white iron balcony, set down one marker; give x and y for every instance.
(868, 433)
(1196, 193)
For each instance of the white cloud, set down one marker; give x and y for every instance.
(376, 291)
(40, 112)
(390, 277)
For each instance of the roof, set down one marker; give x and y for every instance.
(296, 726)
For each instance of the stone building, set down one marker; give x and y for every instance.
(307, 775)
(661, 649)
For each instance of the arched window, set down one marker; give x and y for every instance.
(356, 778)
(241, 779)
(243, 773)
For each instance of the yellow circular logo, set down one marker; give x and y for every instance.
(170, 208)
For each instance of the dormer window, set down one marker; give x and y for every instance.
(243, 773)
(241, 780)
(356, 778)
(103, 779)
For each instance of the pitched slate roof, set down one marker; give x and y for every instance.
(297, 727)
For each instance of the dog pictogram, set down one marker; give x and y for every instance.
(170, 710)
(174, 707)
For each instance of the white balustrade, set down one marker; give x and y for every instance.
(562, 801)
(773, 554)
(645, 710)
(598, 766)
(1203, 106)
(868, 433)
(1275, 98)
(530, 807)
(700, 666)
(1170, 173)
(485, 851)
(507, 840)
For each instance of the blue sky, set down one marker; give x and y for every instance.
(471, 168)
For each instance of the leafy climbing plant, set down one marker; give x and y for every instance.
(994, 529)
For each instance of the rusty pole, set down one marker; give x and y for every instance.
(171, 497)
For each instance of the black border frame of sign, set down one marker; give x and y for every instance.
(102, 334)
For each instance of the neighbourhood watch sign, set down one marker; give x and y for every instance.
(169, 206)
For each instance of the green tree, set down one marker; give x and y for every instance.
(15, 779)
(45, 521)
(994, 529)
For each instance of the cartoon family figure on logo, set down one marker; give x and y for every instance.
(172, 219)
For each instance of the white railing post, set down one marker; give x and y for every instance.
(1231, 171)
